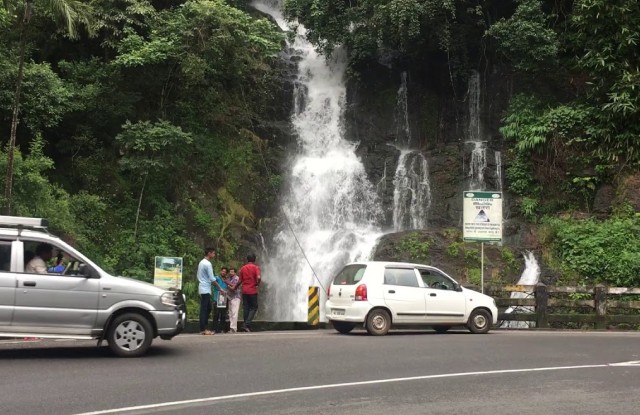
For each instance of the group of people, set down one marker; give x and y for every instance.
(223, 293)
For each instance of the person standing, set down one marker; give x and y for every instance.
(233, 300)
(250, 279)
(220, 302)
(205, 279)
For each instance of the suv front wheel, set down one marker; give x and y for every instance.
(130, 335)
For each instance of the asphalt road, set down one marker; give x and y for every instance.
(325, 373)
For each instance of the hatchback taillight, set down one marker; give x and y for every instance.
(361, 293)
(329, 291)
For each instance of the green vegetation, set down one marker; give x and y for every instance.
(415, 248)
(134, 129)
(598, 251)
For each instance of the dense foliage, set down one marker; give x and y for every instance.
(595, 252)
(135, 135)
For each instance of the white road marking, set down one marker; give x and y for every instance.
(337, 385)
(631, 363)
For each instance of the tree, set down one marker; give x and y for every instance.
(67, 13)
(152, 149)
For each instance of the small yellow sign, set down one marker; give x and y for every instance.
(167, 272)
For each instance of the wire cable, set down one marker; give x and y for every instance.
(286, 218)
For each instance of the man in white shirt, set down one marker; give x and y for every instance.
(38, 265)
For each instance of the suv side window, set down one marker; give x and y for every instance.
(400, 276)
(5, 255)
(55, 262)
(434, 279)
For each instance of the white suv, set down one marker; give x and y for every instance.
(381, 294)
(74, 298)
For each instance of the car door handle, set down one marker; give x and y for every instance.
(29, 283)
(392, 291)
(433, 294)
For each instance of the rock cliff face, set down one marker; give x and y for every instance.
(439, 123)
(442, 126)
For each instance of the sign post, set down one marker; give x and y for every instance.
(482, 221)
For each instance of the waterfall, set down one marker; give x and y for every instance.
(411, 187)
(530, 276)
(411, 191)
(403, 128)
(328, 199)
(498, 156)
(478, 162)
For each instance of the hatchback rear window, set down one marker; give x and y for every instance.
(350, 275)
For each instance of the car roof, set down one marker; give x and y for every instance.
(26, 232)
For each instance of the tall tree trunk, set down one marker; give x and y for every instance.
(135, 228)
(8, 184)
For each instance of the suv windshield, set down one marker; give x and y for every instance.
(350, 274)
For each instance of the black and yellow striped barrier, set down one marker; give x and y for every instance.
(313, 317)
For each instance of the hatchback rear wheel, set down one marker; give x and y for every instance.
(378, 322)
(343, 327)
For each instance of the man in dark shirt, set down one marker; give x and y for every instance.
(250, 279)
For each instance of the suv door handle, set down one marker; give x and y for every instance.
(392, 291)
(433, 294)
(29, 283)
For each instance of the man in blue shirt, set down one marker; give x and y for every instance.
(205, 279)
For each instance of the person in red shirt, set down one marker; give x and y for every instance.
(249, 279)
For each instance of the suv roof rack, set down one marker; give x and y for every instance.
(23, 222)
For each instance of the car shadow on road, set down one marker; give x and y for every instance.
(409, 333)
(81, 352)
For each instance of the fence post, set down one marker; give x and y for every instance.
(600, 304)
(541, 305)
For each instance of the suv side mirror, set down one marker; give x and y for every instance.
(86, 271)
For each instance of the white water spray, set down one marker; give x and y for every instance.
(498, 156)
(328, 200)
(530, 276)
(411, 186)
(478, 162)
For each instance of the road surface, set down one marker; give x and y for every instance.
(322, 372)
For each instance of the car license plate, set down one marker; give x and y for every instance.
(337, 312)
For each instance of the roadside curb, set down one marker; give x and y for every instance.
(192, 326)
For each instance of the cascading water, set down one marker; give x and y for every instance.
(411, 187)
(403, 128)
(412, 191)
(530, 276)
(498, 156)
(328, 200)
(478, 162)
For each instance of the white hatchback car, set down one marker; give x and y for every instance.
(381, 294)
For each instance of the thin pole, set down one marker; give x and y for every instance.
(482, 267)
